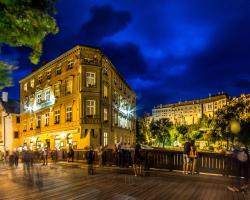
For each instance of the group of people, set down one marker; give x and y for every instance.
(190, 156)
(9, 158)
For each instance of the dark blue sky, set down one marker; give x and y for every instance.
(168, 50)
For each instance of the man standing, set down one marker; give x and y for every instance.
(45, 156)
(186, 159)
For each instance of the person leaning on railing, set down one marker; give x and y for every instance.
(193, 158)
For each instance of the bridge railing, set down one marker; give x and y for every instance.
(215, 163)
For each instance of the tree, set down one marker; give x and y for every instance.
(27, 23)
(140, 136)
(160, 129)
(182, 129)
(244, 135)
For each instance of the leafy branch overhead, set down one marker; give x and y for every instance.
(27, 23)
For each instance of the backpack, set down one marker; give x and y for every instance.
(242, 156)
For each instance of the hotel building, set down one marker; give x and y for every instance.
(77, 99)
(189, 112)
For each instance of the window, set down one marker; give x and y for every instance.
(24, 125)
(46, 119)
(39, 97)
(105, 114)
(57, 116)
(40, 78)
(38, 121)
(57, 90)
(105, 139)
(70, 64)
(69, 114)
(58, 70)
(32, 83)
(31, 123)
(18, 120)
(69, 85)
(90, 79)
(47, 95)
(90, 107)
(25, 87)
(49, 74)
(105, 91)
(16, 135)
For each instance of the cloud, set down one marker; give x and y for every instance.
(104, 21)
(127, 58)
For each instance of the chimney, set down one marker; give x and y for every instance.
(5, 96)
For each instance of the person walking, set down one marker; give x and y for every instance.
(45, 156)
(186, 159)
(16, 158)
(90, 155)
(137, 164)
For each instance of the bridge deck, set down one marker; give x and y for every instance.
(57, 182)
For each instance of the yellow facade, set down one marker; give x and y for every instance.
(189, 112)
(77, 99)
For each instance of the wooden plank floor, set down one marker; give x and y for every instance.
(57, 182)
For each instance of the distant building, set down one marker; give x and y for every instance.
(189, 112)
(77, 99)
(9, 123)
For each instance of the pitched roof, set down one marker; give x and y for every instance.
(12, 106)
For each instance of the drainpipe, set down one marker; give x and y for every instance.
(4, 130)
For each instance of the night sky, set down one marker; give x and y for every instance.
(167, 50)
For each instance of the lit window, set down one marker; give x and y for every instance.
(90, 79)
(90, 107)
(70, 64)
(38, 121)
(57, 89)
(105, 114)
(57, 116)
(31, 123)
(25, 125)
(39, 97)
(25, 87)
(47, 95)
(69, 84)
(105, 138)
(46, 119)
(32, 83)
(105, 91)
(69, 114)
(58, 70)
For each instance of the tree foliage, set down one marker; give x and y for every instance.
(27, 23)
(160, 130)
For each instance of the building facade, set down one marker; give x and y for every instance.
(77, 99)
(9, 123)
(189, 112)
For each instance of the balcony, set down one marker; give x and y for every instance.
(89, 61)
(91, 119)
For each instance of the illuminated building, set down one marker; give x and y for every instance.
(9, 123)
(189, 112)
(78, 98)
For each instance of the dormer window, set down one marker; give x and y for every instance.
(70, 64)
(39, 98)
(47, 95)
(40, 78)
(49, 74)
(58, 70)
